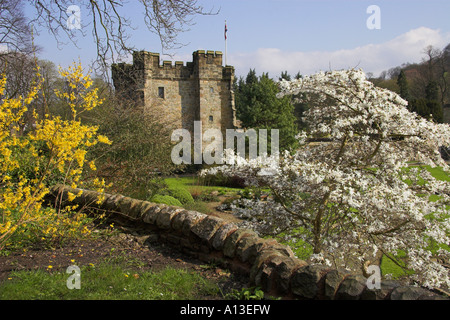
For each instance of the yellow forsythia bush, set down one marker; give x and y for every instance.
(66, 143)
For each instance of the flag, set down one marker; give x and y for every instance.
(226, 30)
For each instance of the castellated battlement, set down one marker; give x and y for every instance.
(205, 63)
(199, 90)
(153, 59)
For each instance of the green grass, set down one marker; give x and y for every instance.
(108, 282)
(301, 249)
(166, 199)
(198, 206)
(394, 269)
(193, 184)
(198, 192)
(439, 173)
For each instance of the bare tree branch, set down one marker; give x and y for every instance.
(111, 27)
(15, 34)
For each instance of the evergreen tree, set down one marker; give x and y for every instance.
(251, 77)
(428, 107)
(433, 104)
(420, 107)
(285, 76)
(435, 109)
(402, 82)
(257, 107)
(432, 91)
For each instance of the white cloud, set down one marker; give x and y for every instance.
(375, 58)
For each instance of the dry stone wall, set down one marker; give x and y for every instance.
(267, 263)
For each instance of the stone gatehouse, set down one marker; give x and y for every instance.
(201, 90)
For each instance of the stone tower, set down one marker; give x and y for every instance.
(201, 90)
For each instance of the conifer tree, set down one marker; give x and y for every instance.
(257, 107)
(402, 82)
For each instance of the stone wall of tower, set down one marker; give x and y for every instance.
(216, 99)
(201, 90)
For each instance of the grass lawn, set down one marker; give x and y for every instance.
(389, 267)
(194, 185)
(206, 196)
(108, 282)
(112, 267)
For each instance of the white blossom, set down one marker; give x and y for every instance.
(349, 196)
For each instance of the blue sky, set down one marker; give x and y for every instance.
(304, 36)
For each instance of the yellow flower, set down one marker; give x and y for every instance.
(71, 196)
(68, 142)
(92, 165)
(103, 139)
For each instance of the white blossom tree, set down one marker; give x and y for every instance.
(357, 195)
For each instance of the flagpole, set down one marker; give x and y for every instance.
(226, 43)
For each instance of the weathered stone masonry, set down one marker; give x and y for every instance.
(267, 263)
(201, 90)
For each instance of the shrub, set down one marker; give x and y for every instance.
(181, 195)
(140, 153)
(52, 228)
(169, 200)
(53, 149)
